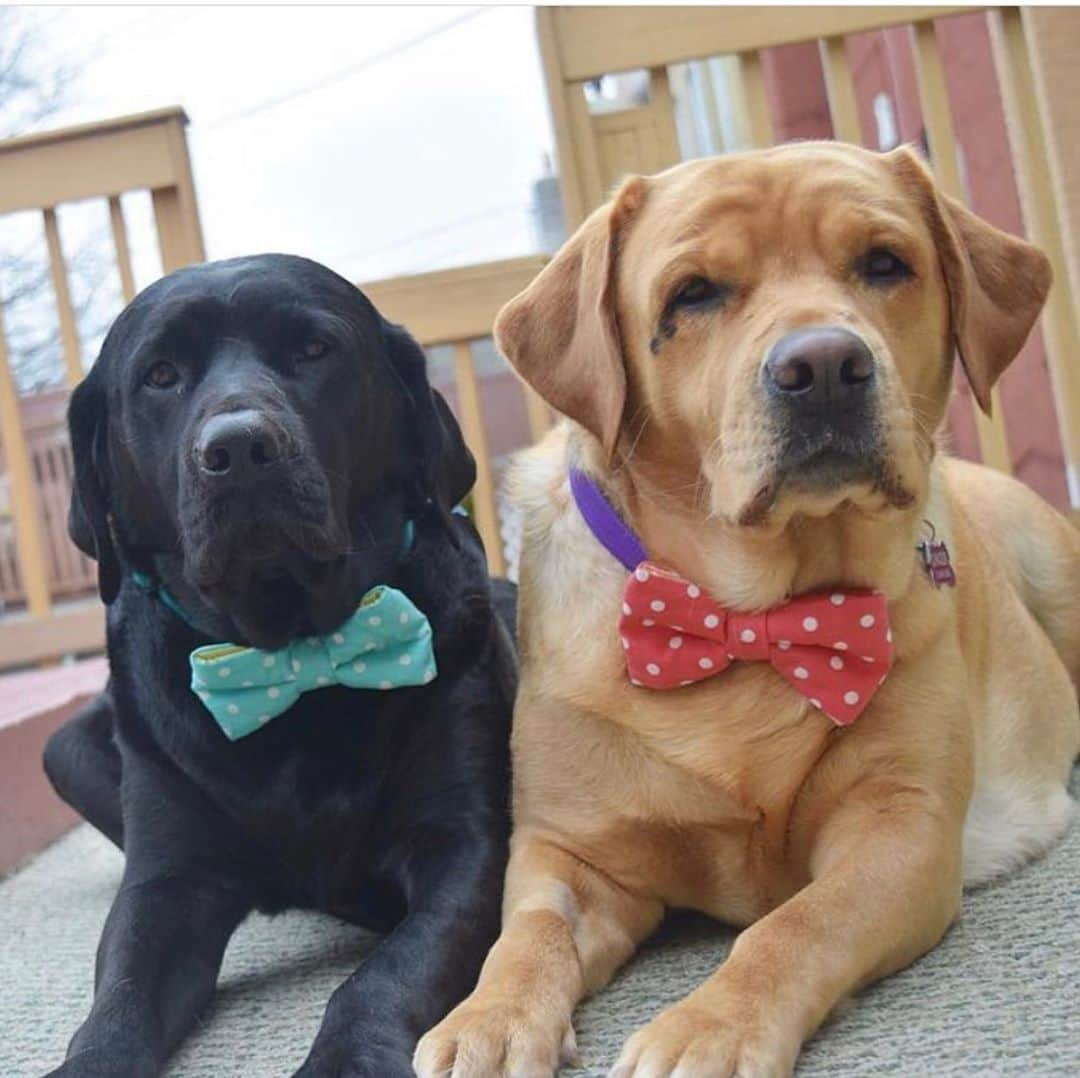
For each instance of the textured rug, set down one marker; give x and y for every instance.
(999, 997)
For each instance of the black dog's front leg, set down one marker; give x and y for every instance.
(83, 764)
(157, 965)
(179, 901)
(425, 966)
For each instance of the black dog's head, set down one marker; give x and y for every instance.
(257, 424)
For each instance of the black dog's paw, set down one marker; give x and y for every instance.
(344, 1061)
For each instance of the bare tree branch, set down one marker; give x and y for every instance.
(34, 86)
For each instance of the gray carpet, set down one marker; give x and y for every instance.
(1000, 996)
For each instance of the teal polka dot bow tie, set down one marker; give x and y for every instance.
(386, 644)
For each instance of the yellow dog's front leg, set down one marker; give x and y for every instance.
(566, 929)
(886, 885)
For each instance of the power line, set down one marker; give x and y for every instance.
(347, 72)
(438, 230)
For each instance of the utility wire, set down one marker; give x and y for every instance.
(437, 230)
(347, 72)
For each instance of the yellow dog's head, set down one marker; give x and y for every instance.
(775, 331)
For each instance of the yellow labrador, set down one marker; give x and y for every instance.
(755, 354)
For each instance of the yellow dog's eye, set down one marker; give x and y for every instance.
(162, 375)
(880, 266)
(696, 292)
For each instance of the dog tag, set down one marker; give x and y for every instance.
(936, 562)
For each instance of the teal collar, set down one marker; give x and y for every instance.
(154, 588)
(158, 591)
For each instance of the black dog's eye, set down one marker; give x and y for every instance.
(162, 375)
(696, 292)
(314, 349)
(880, 266)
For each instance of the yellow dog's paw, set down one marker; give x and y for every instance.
(497, 1039)
(688, 1041)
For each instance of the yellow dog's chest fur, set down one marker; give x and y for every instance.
(689, 806)
(694, 787)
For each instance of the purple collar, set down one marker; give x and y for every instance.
(604, 522)
(616, 536)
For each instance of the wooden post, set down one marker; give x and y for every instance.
(176, 210)
(29, 534)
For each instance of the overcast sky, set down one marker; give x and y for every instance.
(304, 140)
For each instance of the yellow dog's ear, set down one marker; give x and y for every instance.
(997, 283)
(562, 335)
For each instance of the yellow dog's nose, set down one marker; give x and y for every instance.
(818, 366)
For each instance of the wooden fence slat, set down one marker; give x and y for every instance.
(472, 425)
(69, 332)
(937, 118)
(759, 112)
(1030, 159)
(538, 412)
(29, 536)
(662, 105)
(712, 109)
(840, 87)
(587, 160)
(123, 249)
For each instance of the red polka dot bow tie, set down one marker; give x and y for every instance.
(835, 648)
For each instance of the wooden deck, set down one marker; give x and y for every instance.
(33, 704)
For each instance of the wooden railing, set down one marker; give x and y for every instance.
(582, 44)
(39, 566)
(39, 173)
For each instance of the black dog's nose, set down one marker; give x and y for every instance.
(236, 444)
(819, 365)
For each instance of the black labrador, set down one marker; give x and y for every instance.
(255, 449)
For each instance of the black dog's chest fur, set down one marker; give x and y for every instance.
(315, 796)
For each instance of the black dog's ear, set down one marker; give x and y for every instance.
(88, 517)
(447, 470)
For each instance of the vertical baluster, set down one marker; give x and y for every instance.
(843, 107)
(712, 109)
(123, 250)
(472, 422)
(69, 332)
(538, 412)
(758, 110)
(937, 116)
(29, 535)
